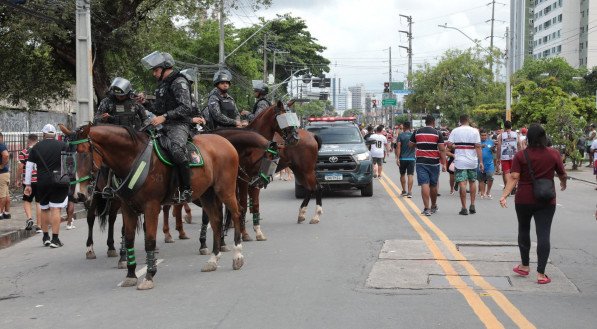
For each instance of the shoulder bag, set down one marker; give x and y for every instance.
(543, 189)
(56, 177)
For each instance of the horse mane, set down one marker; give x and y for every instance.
(132, 133)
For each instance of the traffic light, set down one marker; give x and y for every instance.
(386, 87)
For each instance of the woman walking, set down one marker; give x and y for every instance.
(543, 162)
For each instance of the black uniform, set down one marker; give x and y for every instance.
(124, 113)
(222, 109)
(259, 106)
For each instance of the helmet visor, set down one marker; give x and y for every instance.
(152, 60)
(120, 86)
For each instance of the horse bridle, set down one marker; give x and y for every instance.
(288, 132)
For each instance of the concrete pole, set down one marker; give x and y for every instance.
(222, 18)
(265, 58)
(491, 38)
(84, 63)
(508, 76)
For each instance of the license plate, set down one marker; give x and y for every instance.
(333, 177)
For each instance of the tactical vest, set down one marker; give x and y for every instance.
(227, 106)
(257, 103)
(125, 114)
(165, 99)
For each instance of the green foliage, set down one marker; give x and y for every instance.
(564, 127)
(459, 82)
(552, 71)
(310, 109)
(401, 118)
(352, 113)
(489, 116)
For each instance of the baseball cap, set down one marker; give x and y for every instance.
(48, 129)
(523, 130)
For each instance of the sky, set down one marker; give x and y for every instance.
(358, 33)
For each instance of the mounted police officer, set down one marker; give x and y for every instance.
(261, 90)
(119, 107)
(221, 107)
(173, 108)
(196, 115)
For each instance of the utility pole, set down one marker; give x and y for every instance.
(84, 63)
(265, 58)
(409, 49)
(508, 73)
(222, 18)
(391, 116)
(491, 36)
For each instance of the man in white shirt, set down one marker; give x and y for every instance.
(378, 147)
(467, 145)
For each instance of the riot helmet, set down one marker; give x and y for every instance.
(157, 59)
(189, 74)
(260, 87)
(222, 75)
(120, 87)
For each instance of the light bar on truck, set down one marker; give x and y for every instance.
(332, 119)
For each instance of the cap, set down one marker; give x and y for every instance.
(523, 130)
(48, 129)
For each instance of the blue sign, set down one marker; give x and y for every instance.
(402, 91)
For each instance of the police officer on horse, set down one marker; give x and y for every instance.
(173, 108)
(221, 107)
(119, 107)
(261, 90)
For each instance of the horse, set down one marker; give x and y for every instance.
(177, 214)
(298, 151)
(121, 149)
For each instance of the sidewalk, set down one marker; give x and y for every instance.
(13, 230)
(583, 174)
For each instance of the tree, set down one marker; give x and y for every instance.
(310, 109)
(489, 116)
(352, 113)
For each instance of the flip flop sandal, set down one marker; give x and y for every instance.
(544, 281)
(519, 271)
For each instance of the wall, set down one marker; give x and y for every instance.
(23, 121)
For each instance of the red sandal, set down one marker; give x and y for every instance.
(520, 271)
(546, 280)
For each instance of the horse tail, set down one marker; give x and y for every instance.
(319, 141)
(102, 210)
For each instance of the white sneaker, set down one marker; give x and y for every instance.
(71, 227)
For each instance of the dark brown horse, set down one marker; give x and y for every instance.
(299, 152)
(214, 183)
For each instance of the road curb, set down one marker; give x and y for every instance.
(582, 180)
(12, 237)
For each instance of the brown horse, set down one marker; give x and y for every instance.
(214, 183)
(299, 152)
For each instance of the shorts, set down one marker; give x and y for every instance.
(29, 198)
(506, 166)
(485, 176)
(463, 175)
(51, 196)
(377, 161)
(4, 181)
(427, 174)
(407, 167)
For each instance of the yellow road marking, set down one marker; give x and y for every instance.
(502, 301)
(472, 298)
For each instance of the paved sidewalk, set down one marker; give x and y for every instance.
(583, 174)
(13, 230)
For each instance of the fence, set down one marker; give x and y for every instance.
(15, 142)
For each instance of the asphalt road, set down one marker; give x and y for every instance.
(370, 263)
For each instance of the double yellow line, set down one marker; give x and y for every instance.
(472, 298)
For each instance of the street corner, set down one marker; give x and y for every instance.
(9, 238)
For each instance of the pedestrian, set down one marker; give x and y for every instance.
(378, 149)
(507, 145)
(173, 107)
(593, 150)
(28, 199)
(591, 136)
(467, 153)
(523, 138)
(430, 152)
(4, 180)
(46, 157)
(538, 161)
(405, 159)
(485, 177)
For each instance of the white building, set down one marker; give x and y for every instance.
(521, 27)
(344, 101)
(358, 96)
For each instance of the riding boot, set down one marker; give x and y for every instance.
(185, 183)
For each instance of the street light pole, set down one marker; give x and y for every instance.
(445, 26)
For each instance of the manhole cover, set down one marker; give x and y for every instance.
(441, 281)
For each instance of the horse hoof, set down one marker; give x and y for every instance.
(129, 282)
(209, 267)
(224, 249)
(260, 237)
(300, 220)
(247, 237)
(113, 253)
(237, 263)
(168, 239)
(145, 285)
(188, 219)
(90, 255)
(314, 221)
(183, 236)
(204, 251)
(122, 265)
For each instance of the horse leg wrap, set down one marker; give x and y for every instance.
(130, 256)
(256, 218)
(151, 266)
(122, 249)
(203, 234)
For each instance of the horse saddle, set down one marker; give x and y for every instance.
(161, 145)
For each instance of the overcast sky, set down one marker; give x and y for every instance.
(358, 33)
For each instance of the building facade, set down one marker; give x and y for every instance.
(344, 101)
(358, 96)
(521, 32)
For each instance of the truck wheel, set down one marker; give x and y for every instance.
(299, 191)
(367, 190)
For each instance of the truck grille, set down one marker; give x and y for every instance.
(343, 163)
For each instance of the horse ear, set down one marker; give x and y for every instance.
(64, 130)
(280, 105)
(292, 101)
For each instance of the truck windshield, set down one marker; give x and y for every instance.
(337, 134)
